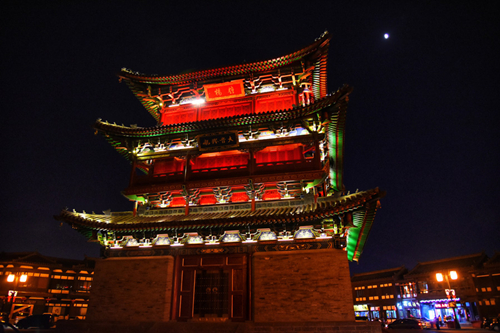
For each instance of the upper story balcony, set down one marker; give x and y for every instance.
(228, 164)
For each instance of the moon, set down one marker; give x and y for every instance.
(386, 36)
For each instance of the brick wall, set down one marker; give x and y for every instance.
(301, 286)
(132, 289)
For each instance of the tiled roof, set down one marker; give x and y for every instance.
(382, 274)
(469, 261)
(493, 261)
(243, 69)
(239, 215)
(37, 259)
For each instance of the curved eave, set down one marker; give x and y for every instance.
(321, 44)
(317, 53)
(335, 135)
(339, 97)
(359, 234)
(127, 222)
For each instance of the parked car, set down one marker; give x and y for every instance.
(486, 322)
(425, 323)
(405, 323)
(41, 321)
(495, 325)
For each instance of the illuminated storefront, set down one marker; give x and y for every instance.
(443, 308)
(409, 309)
(390, 312)
(361, 311)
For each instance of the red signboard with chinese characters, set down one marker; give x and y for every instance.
(214, 92)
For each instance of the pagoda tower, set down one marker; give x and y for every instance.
(239, 213)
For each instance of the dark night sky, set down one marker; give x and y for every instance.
(422, 122)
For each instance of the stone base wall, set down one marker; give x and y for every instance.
(132, 289)
(301, 286)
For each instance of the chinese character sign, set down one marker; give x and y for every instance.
(224, 90)
(218, 140)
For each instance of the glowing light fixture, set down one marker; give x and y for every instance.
(266, 89)
(162, 239)
(453, 275)
(194, 238)
(265, 235)
(231, 236)
(10, 278)
(386, 36)
(304, 232)
(23, 278)
(439, 277)
(198, 101)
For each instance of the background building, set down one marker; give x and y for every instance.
(31, 283)
(376, 294)
(464, 288)
(487, 286)
(445, 288)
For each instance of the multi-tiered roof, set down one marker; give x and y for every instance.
(241, 154)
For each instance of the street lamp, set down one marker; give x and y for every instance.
(22, 277)
(454, 276)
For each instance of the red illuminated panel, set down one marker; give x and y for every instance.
(214, 92)
(274, 104)
(220, 163)
(279, 154)
(178, 202)
(239, 197)
(271, 195)
(168, 166)
(178, 117)
(225, 111)
(208, 200)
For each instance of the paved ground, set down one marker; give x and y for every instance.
(466, 328)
